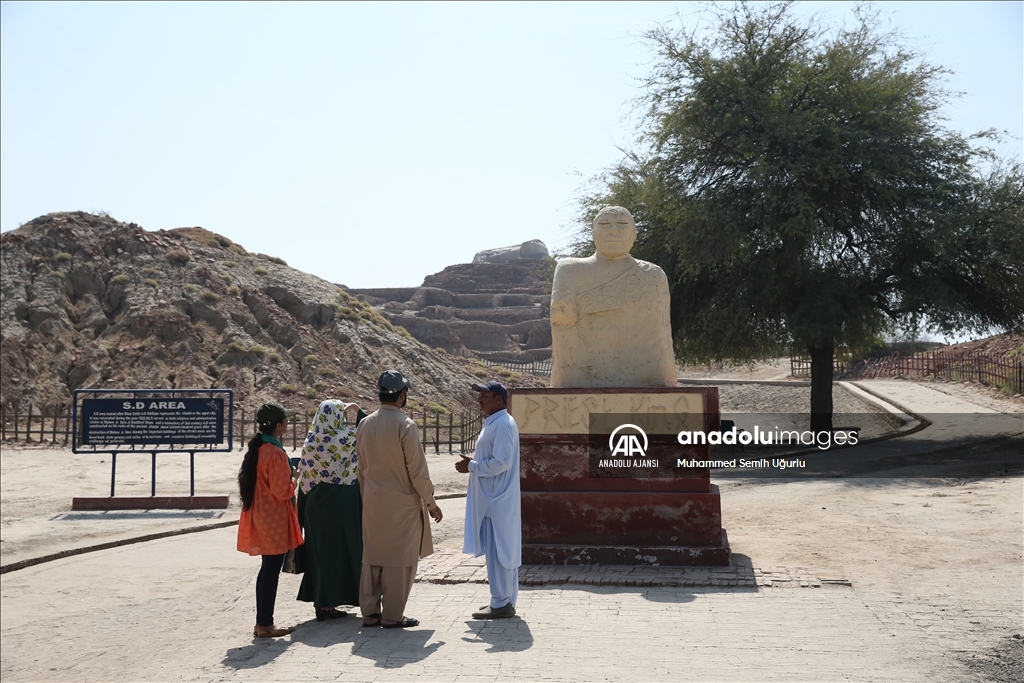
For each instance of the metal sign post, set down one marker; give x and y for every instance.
(152, 421)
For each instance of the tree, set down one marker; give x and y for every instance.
(799, 190)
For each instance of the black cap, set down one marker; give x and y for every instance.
(272, 413)
(495, 387)
(392, 382)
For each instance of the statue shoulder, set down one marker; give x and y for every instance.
(570, 264)
(569, 269)
(651, 270)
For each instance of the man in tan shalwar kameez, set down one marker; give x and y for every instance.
(397, 497)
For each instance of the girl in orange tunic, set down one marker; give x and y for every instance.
(269, 525)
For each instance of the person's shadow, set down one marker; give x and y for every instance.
(261, 651)
(501, 635)
(389, 648)
(394, 648)
(265, 650)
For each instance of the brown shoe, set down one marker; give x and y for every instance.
(272, 631)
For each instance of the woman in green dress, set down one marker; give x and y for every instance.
(330, 511)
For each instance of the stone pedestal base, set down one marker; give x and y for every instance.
(654, 556)
(572, 517)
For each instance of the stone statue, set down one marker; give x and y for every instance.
(610, 314)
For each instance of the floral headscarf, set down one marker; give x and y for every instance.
(329, 454)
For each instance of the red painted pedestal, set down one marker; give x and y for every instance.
(570, 517)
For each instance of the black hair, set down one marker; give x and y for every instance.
(247, 472)
(389, 397)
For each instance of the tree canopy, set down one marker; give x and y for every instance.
(798, 187)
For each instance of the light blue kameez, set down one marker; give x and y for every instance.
(493, 495)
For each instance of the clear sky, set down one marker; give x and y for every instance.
(373, 144)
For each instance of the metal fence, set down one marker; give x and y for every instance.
(1003, 372)
(536, 363)
(53, 425)
(445, 432)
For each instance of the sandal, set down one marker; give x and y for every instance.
(406, 622)
(376, 620)
(325, 614)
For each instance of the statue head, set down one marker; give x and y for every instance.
(614, 232)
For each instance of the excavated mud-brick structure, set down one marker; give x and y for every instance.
(498, 305)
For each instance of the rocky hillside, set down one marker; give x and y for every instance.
(999, 345)
(87, 301)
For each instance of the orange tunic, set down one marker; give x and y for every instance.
(271, 525)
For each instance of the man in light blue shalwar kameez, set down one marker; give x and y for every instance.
(493, 517)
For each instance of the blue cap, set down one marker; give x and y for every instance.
(495, 387)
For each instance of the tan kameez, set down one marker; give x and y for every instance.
(396, 490)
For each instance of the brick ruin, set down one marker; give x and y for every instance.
(497, 306)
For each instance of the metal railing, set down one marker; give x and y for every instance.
(52, 425)
(1003, 372)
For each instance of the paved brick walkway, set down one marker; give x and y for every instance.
(180, 609)
(447, 567)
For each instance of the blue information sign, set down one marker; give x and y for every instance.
(141, 421)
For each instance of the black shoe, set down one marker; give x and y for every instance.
(496, 612)
(325, 614)
(406, 622)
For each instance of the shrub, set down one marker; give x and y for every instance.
(260, 270)
(191, 289)
(504, 372)
(179, 256)
(209, 297)
(235, 347)
(121, 279)
(150, 272)
(57, 274)
(310, 393)
(272, 259)
(234, 290)
(311, 358)
(347, 313)
(320, 385)
(226, 278)
(258, 350)
(327, 372)
(62, 257)
(149, 282)
(274, 357)
(480, 372)
(228, 264)
(436, 408)
(402, 331)
(287, 388)
(238, 249)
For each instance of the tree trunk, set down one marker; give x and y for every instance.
(821, 386)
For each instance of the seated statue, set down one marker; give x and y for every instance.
(610, 314)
